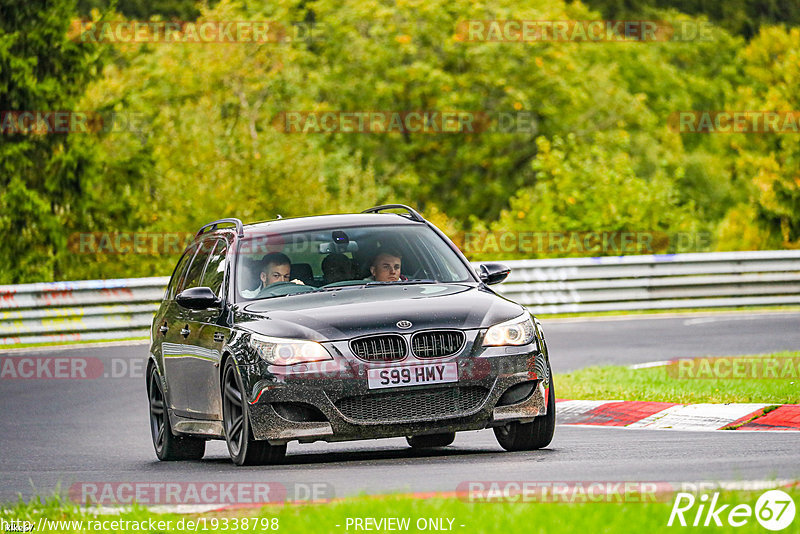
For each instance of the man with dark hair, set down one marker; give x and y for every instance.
(275, 267)
(385, 266)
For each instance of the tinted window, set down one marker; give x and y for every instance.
(180, 271)
(195, 272)
(215, 270)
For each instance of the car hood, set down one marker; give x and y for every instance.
(353, 312)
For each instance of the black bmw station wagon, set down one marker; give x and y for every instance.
(340, 327)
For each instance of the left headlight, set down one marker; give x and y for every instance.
(518, 331)
(280, 351)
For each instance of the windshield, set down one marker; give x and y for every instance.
(277, 265)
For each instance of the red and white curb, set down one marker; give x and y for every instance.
(669, 415)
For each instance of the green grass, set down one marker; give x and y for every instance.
(614, 382)
(650, 517)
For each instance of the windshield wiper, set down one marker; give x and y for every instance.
(336, 288)
(402, 282)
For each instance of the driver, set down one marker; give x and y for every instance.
(276, 267)
(385, 267)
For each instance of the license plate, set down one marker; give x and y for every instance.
(412, 375)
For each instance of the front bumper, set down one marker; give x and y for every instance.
(343, 408)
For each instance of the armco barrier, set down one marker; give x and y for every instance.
(625, 283)
(83, 310)
(113, 309)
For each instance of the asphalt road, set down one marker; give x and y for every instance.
(67, 431)
(577, 343)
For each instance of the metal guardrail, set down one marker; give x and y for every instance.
(114, 309)
(627, 283)
(75, 311)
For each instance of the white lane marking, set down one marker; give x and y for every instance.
(671, 315)
(697, 416)
(649, 429)
(721, 318)
(647, 365)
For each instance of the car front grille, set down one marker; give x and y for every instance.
(437, 343)
(412, 406)
(385, 348)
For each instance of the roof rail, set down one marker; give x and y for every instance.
(230, 220)
(412, 213)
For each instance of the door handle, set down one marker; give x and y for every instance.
(163, 329)
(185, 331)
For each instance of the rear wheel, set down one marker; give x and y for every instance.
(168, 446)
(431, 440)
(244, 450)
(534, 435)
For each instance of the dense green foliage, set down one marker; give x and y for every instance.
(743, 17)
(603, 156)
(51, 185)
(144, 9)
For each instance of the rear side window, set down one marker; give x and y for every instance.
(215, 270)
(195, 272)
(180, 272)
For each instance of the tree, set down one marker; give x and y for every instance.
(767, 163)
(51, 184)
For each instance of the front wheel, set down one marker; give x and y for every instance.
(530, 436)
(431, 440)
(168, 446)
(244, 450)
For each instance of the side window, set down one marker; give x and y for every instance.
(179, 272)
(195, 272)
(215, 270)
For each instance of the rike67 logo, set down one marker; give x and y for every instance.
(774, 510)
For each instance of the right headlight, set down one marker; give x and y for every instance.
(518, 331)
(281, 351)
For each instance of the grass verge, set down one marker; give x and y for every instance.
(665, 384)
(454, 514)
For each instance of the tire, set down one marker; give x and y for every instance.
(243, 448)
(534, 435)
(168, 446)
(429, 441)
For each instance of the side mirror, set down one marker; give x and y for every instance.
(493, 273)
(198, 298)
